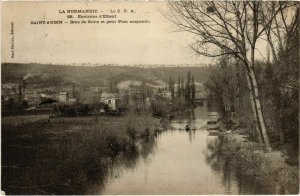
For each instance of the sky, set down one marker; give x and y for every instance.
(156, 42)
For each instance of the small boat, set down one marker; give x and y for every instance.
(187, 128)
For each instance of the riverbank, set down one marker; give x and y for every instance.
(267, 169)
(62, 155)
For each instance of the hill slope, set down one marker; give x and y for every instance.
(48, 75)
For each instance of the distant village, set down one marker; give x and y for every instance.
(25, 97)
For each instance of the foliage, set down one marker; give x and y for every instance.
(282, 87)
(172, 87)
(222, 85)
(13, 107)
(72, 110)
(161, 107)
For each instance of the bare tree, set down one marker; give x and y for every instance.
(283, 24)
(228, 28)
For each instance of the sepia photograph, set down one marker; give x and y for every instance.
(149, 97)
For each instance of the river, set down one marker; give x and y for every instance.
(178, 162)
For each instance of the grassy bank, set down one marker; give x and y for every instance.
(62, 156)
(268, 169)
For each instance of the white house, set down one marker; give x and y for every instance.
(110, 99)
(63, 97)
(72, 100)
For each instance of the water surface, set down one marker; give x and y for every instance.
(179, 162)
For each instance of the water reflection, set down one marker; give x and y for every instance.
(191, 135)
(213, 152)
(170, 161)
(123, 162)
(219, 163)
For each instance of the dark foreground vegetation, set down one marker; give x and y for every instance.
(64, 155)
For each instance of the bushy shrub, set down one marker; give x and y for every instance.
(72, 110)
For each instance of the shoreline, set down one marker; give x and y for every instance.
(267, 169)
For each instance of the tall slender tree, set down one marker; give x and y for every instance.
(182, 88)
(172, 87)
(193, 88)
(187, 87)
(178, 88)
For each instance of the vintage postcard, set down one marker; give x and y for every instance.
(149, 97)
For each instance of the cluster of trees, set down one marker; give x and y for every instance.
(72, 110)
(185, 90)
(282, 83)
(139, 100)
(80, 109)
(182, 95)
(233, 30)
(226, 87)
(12, 106)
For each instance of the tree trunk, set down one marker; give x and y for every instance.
(258, 108)
(283, 127)
(272, 49)
(238, 81)
(237, 66)
(253, 81)
(259, 136)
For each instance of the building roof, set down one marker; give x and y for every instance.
(63, 93)
(106, 95)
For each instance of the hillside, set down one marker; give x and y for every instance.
(57, 75)
(200, 73)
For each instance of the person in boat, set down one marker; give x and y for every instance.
(187, 128)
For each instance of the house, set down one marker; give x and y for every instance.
(111, 99)
(165, 93)
(73, 100)
(63, 97)
(10, 86)
(10, 90)
(32, 97)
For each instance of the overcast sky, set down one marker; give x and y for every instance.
(157, 42)
(151, 43)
